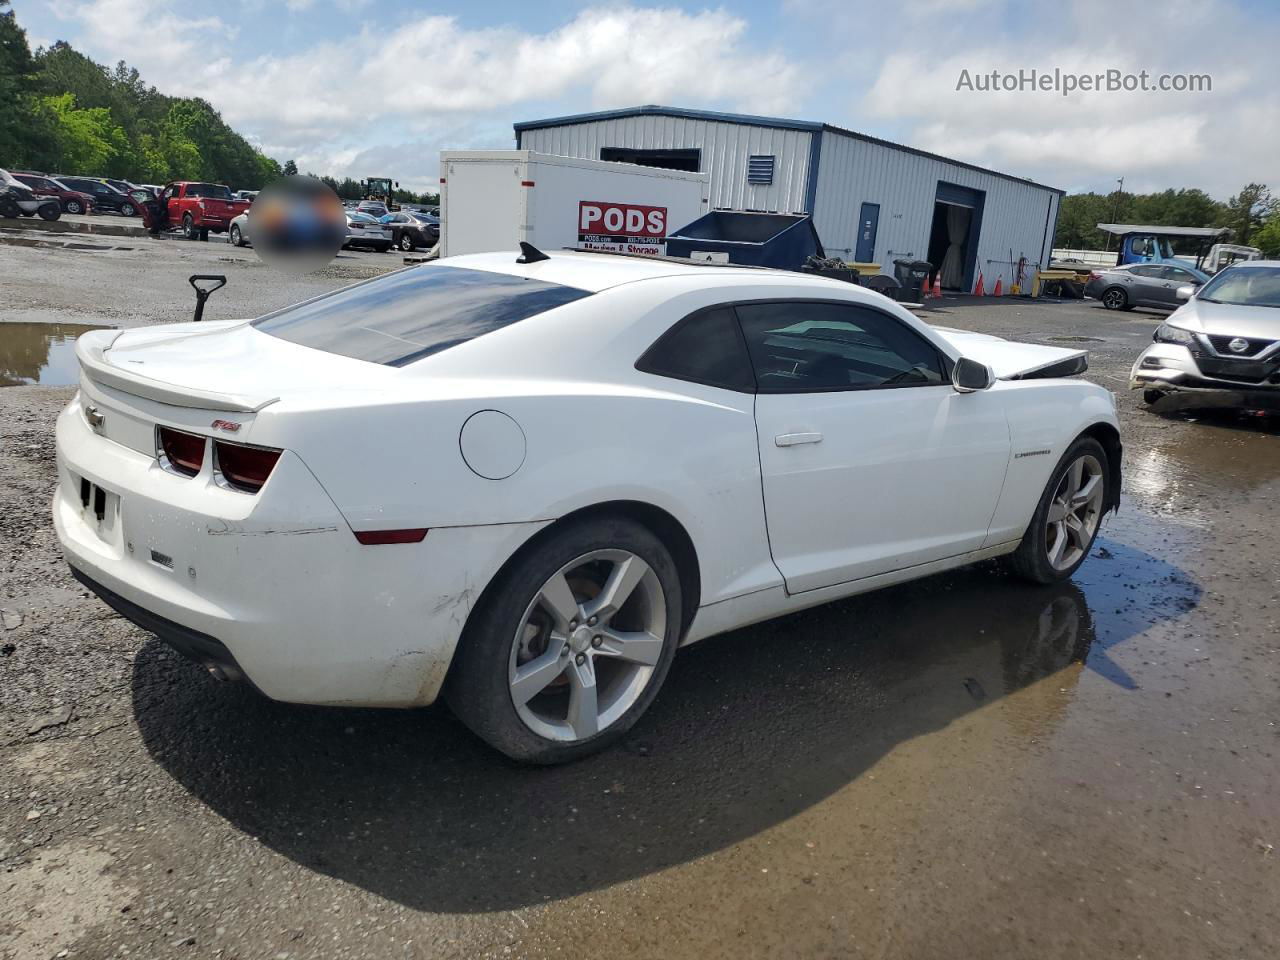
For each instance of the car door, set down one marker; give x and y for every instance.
(1174, 278)
(870, 460)
(1146, 287)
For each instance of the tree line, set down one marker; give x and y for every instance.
(1253, 216)
(61, 112)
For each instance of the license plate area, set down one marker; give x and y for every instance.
(99, 508)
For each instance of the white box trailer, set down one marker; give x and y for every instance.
(494, 199)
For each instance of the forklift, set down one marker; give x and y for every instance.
(381, 189)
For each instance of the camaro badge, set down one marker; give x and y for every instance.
(229, 425)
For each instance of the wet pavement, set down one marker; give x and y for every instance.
(40, 353)
(960, 767)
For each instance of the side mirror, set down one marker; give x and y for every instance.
(969, 376)
(1185, 292)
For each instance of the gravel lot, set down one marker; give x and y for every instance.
(961, 767)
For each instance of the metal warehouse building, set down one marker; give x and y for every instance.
(871, 200)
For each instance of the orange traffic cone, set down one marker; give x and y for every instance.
(978, 289)
(937, 285)
(999, 290)
(924, 288)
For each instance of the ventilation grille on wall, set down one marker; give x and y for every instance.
(760, 169)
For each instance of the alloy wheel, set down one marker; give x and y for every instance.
(1113, 299)
(1075, 512)
(587, 645)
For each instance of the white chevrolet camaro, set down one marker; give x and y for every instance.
(522, 483)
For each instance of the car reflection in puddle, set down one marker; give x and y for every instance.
(40, 353)
(751, 729)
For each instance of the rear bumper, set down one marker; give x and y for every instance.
(277, 580)
(203, 649)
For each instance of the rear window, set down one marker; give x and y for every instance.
(405, 316)
(213, 191)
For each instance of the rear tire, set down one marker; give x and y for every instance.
(204, 233)
(1062, 530)
(189, 227)
(49, 211)
(1115, 299)
(406, 242)
(548, 727)
(1152, 396)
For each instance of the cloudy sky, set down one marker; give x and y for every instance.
(366, 87)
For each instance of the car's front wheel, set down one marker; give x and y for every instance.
(236, 239)
(74, 206)
(128, 210)
(571, 642)
(1068, 517)
(1152, 396)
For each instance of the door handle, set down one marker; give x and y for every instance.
(794, 439)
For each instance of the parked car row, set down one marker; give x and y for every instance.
(18, 200)
(404, 229)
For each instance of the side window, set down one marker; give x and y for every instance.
(705, 347)
(1178, 274)
(1144, 270)
(806, 347)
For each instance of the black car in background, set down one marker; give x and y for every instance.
(106, 198)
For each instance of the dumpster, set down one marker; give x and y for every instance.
(780, 240)
(911, 275)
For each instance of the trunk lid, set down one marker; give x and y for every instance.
(1009, 359)
(221, 365)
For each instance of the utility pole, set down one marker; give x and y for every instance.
(1115, 210)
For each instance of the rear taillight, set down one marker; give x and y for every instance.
(183, 452)
(1094, 275)
(245, 468)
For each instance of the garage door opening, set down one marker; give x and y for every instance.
(953, 235)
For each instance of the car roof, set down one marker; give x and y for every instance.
(599, 271)
(1253, 264)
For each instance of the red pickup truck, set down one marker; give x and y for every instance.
(198, 208)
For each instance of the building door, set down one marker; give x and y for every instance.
(868, 222)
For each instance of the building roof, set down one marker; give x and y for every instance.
(1203, 232)
(776, 123)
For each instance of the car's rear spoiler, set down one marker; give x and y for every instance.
(91, 349)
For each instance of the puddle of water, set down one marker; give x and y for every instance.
(40, 353)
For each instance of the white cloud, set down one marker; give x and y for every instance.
(427, 72)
